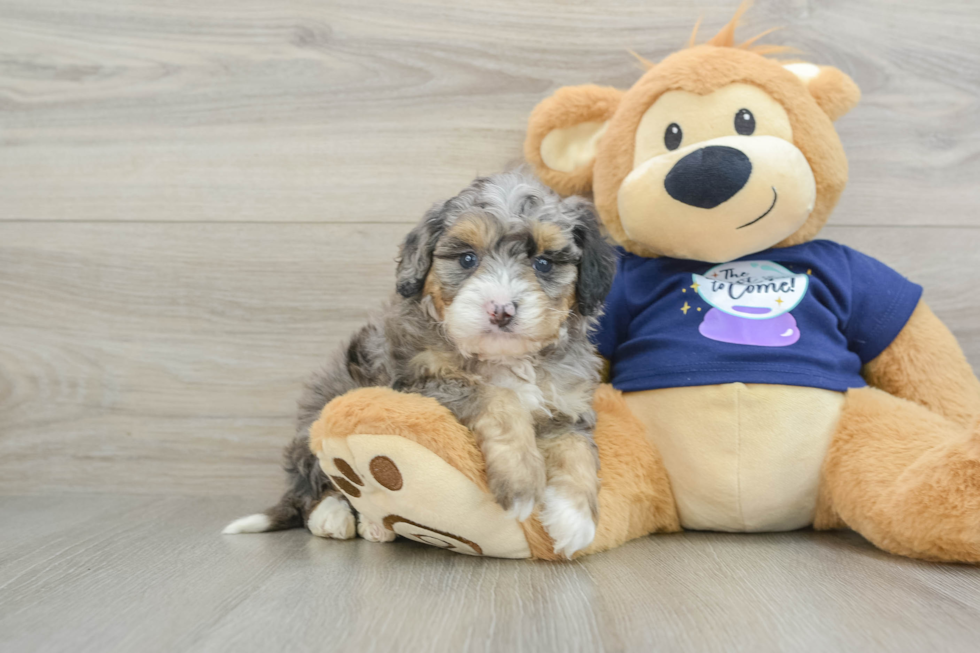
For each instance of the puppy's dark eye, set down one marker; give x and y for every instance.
(468, 260)
(543, 265)
(744, 122)
(673, 136)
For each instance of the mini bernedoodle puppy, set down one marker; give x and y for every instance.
(497, 291)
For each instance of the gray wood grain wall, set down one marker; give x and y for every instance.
(198, 200)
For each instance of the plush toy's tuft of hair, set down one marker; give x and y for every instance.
(694, 33)
(645, 63)
(725, 38)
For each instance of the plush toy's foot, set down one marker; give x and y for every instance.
(905, 478)
(410, 469)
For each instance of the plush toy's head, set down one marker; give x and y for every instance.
(715, 153)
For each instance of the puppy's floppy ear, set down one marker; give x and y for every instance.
(598, 263)
(415, 257)
(563, 135)
(835, 92)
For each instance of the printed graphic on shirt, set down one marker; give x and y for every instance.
(751, 303)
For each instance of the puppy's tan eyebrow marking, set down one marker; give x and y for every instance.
(452, 247)
(552, 243)
(548, 236)
(563, 255)
(473, 230)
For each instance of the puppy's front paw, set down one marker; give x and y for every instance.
(568, 520)
(517, 482)
(332, 518)
(373, 531)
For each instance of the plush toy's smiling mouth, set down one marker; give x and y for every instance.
(768, 211)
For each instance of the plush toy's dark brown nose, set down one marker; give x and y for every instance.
(707, 177)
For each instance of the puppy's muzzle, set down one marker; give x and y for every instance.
(501, 314)
(708, 176)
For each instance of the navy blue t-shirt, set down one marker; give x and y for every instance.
(809, 315)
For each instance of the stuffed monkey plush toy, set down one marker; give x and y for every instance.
(761, 380)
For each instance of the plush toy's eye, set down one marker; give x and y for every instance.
(744, 122)
(543, 265)
(673, 136)
(468, 260)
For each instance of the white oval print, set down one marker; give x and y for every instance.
(755, 290)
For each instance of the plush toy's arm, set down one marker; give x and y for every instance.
(925, 364)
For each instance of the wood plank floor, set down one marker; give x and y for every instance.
(126, 573)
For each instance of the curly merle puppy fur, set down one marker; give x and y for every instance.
(497, 291)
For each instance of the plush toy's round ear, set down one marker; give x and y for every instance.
(835, 92)
(563, 134)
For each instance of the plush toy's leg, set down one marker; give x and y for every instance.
(904, 477)
(410, 468)
(635, 498)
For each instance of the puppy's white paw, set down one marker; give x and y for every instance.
(521, 509)
(257, 523)
(373, 531)
(332, 518)
(568, 523)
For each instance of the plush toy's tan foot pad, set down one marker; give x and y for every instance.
(394, 481)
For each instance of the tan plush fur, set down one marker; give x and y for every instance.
(701, 69)
(834, 92)
(903, 467)
(418, 418)
(903, 463)
(569, 106)
(926, 365)
(635, 498)
(906, 478)
(422, 420)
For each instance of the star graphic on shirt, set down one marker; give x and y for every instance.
(809, 271)
(779, 301)
(695, 285)
(685, 308)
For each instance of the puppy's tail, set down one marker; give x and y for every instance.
(284, 515)
(307, 485)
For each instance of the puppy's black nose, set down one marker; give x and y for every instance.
(501, 314)
(707, 177)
